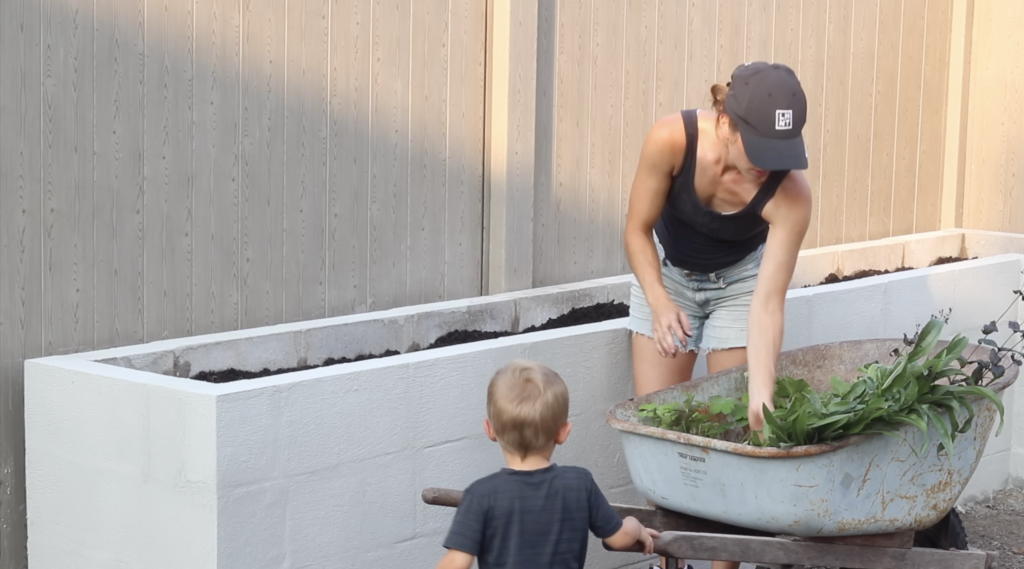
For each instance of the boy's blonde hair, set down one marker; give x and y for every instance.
(527, 404)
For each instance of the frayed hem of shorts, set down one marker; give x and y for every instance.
(687, 350)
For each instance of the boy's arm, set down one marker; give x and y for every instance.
(455, 559)
(466, 535)
(631, 532)
(617, 533)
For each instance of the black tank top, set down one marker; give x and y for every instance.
(696, 238)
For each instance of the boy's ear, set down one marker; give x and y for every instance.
(563, 433)
(490, 430)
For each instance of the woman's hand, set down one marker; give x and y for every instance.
(669, 320)
(755, 411)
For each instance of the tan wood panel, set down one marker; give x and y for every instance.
(605, 128)
(883, 143)
(428, 152)
(119, 197)
(261, 179)
(934, 99)
(836, 117)
(305, 174)
(638, 73)
(215, 223)
(463, 226)
(169, 169)
(21, 284)
(908, 117)
(863, 60)
(812, 72)
(759, 30)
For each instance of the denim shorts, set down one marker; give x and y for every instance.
(716, 304)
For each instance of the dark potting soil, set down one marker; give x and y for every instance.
(575, 317)
(834, 278)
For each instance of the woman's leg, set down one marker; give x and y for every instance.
(652, 372)
(719, 360)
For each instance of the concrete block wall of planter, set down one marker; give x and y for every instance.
(130, 461)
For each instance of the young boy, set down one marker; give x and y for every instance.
(533, 514)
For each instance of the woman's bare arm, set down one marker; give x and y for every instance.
(789, 214)
(658, 160)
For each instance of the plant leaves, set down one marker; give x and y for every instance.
(926, 340)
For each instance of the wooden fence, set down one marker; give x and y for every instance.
(173, 168)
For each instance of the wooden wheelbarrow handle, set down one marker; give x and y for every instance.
(689, 537)
(656, 518)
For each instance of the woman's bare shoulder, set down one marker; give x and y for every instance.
(667, 139)
(791, 202)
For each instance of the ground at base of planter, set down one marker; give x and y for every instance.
(575, 317)
(997, 524)
(862, 274)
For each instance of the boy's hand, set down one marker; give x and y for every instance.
(647, 537)
(455, 559)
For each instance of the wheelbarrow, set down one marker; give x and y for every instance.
(864, 502)
(862, 485)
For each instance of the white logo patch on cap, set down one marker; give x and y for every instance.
(783, 119)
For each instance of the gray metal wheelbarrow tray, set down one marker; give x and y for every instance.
(860, 485)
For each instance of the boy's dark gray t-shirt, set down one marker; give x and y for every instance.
(519, 519)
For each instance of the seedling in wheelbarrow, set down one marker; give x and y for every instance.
(931, 393)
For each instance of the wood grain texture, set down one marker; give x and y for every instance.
(812, 73)
(305, 177)
(836, 117)
(934, 99)
(261, 181)
(348, 187)
(572, 138)
(1013, 148)
(168, 168)
(883, 141)
(68, 261)
(427, 187)
(638, 76)
(995, 121)
(463, 229)
(731, 45)
(863, 58)
(216, 160)
(21, 285)
(389, 155)
(760, 25)
(701, 53)
(119, 199)
(671, 69)
(908, 117)
(605, 125)
(545, 198)
(786, 42)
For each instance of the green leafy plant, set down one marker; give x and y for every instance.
(923, 387)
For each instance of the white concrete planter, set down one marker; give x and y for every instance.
(129, 465)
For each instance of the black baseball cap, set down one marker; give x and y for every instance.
(768, 106)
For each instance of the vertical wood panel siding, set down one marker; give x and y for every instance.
(172, 168)
(875, 75)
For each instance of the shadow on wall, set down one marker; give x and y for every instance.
(175, 168)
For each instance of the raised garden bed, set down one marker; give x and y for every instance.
(131, 461)
(575, 317)
(833, 278)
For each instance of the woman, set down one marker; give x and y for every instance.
(717, 214)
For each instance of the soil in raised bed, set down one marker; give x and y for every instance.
(834, 278)
(575, 317)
